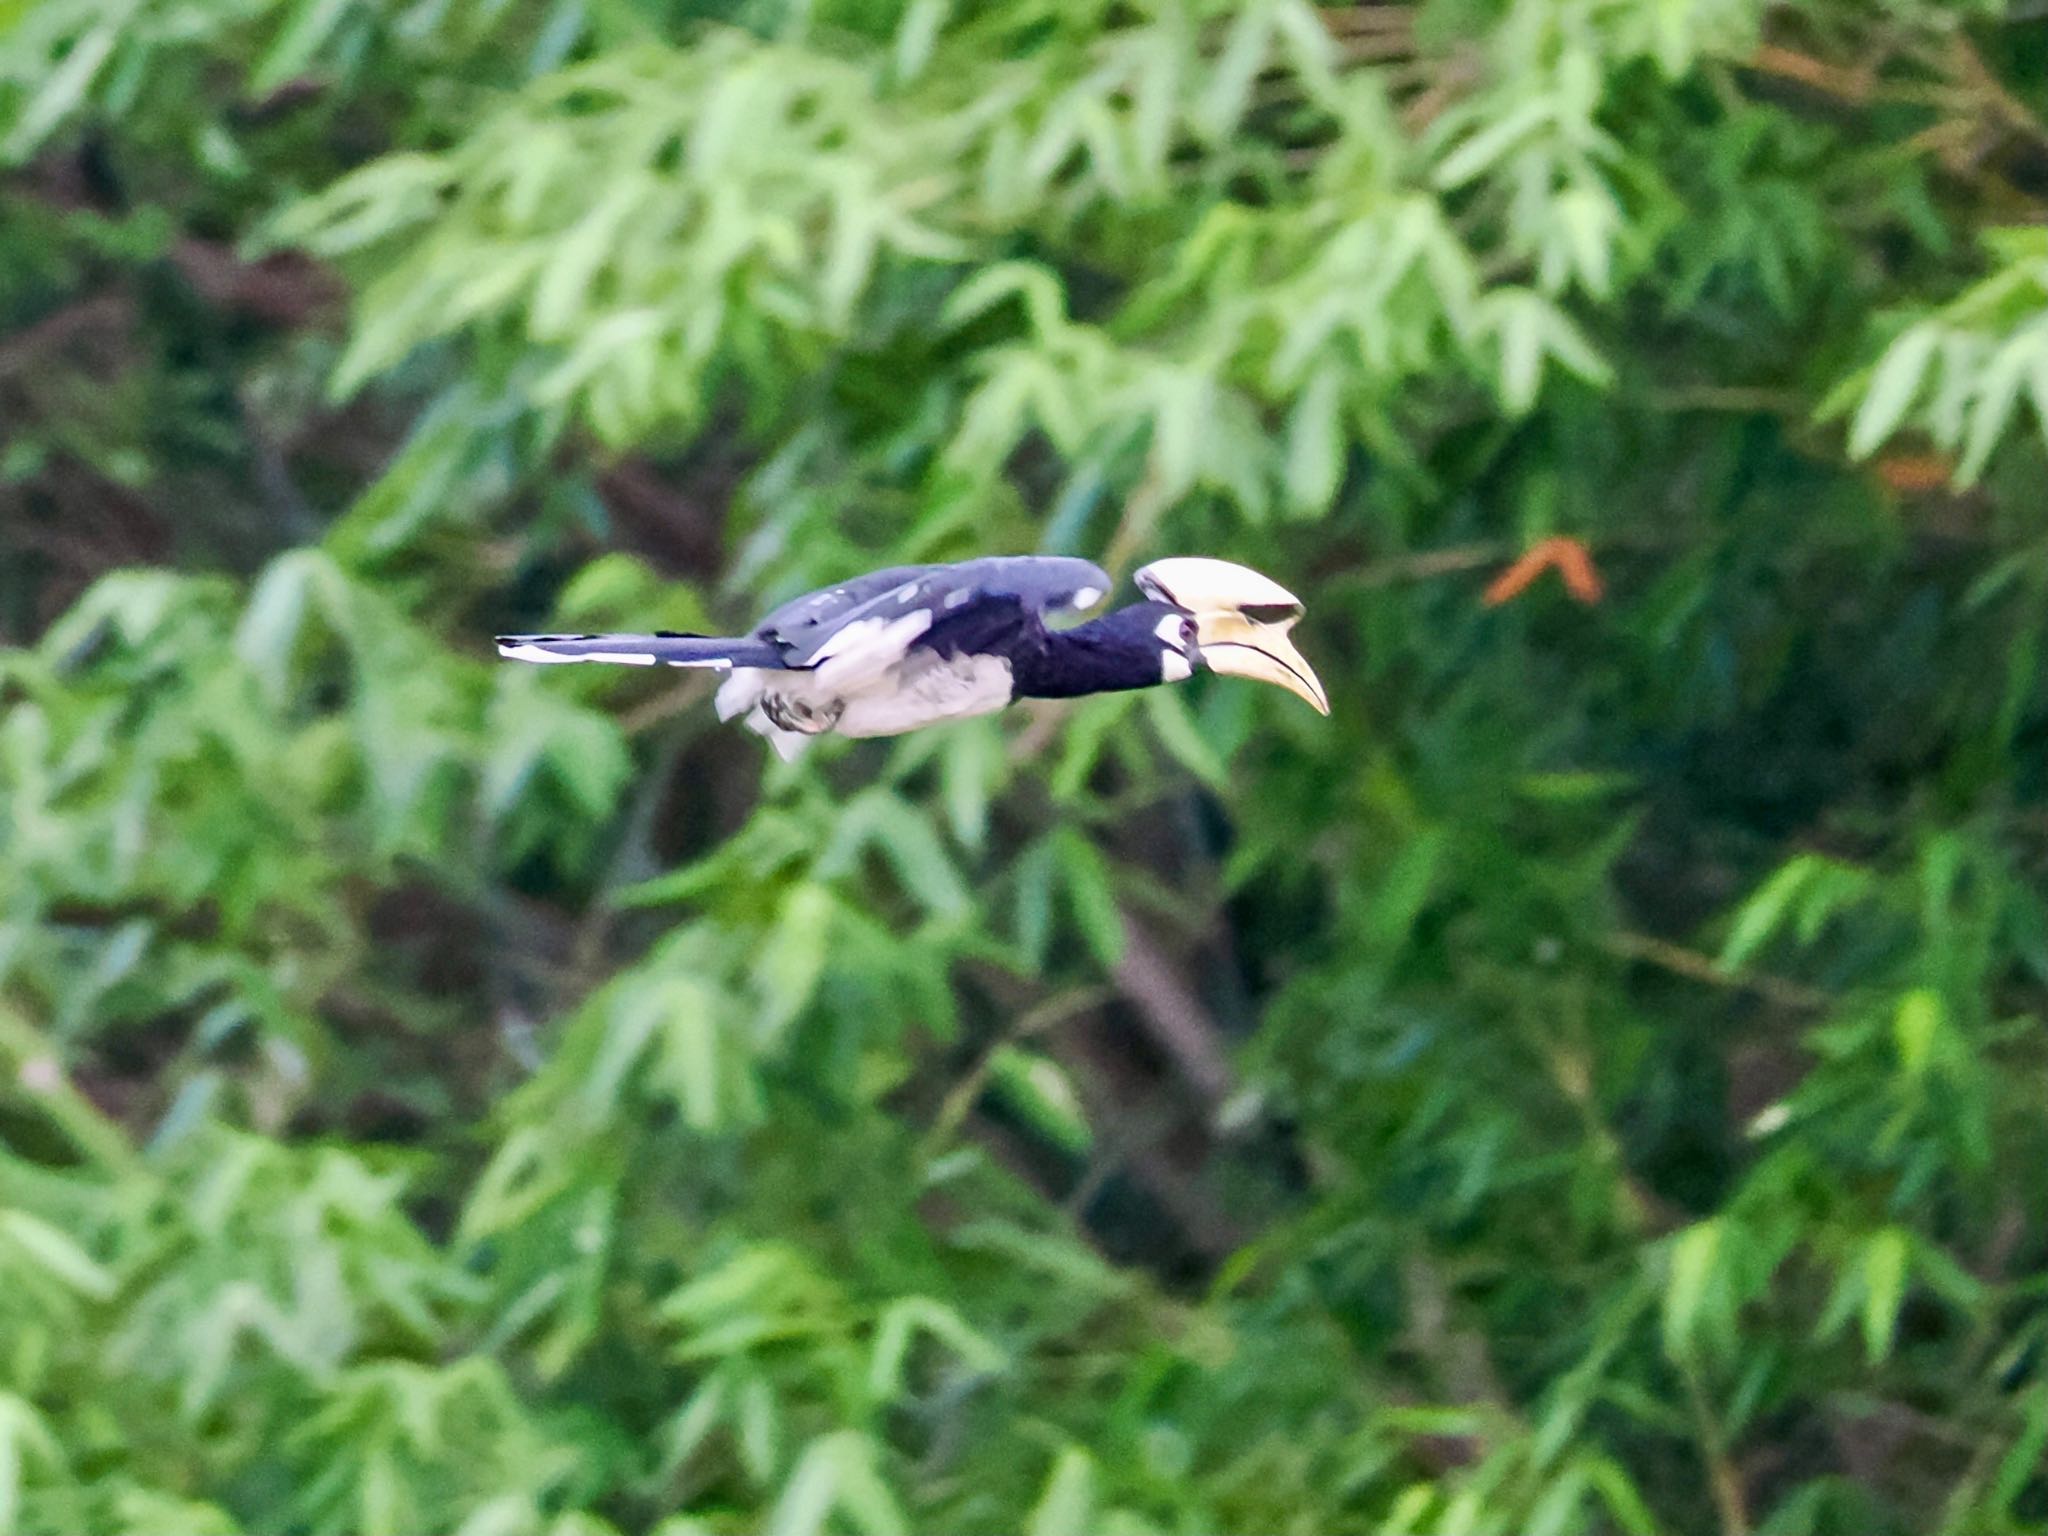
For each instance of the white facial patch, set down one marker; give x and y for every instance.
(1174, 666)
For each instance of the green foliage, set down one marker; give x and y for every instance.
(1591, 1082)
(1975, 359)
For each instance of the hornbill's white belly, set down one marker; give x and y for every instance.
(923, 688)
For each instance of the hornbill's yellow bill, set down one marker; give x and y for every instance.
(1240, 647)
(1241, 621)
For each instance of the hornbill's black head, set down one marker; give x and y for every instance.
(1230, 620)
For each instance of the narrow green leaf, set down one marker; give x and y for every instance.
(917, 34)
(1040, 1091)
(863, 1496)
(1555, 1512)
(2022, 1463)
(2037, 383)
(1035, 872)
(808, 1496)
(1243, 55)
(1619, 1493)
(312, 23)
(1897, 380)
(64, 89)
(919, 858)
(1885, 1260)
(693, 1053)
(1998, 392)
(1694, 1258)
(57, 1253)
(1915, 1028)
(1182, 737)
(1478, 153)
(1759, 917)
(1521, 358)
(970, 765)
(1066, 1507)
(1315, 451)
(1087, 879)
(793, 958)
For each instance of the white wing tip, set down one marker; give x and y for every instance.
(525, 650)
(514, 649)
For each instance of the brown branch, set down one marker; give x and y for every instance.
(285, 288)
(1172, 1015)
(1724, 1479)
(29, 348)
(1042, 729)
(1850, 85)
(1695, 966)
(667, 704)
(1991, 93)
(1458, 1358)
(1137, 1136)
(1374, 20)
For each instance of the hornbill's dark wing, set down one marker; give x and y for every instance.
(867, 624)
(885, 613)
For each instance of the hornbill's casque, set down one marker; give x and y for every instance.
(916, 644)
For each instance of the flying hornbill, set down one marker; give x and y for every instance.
(916, 644)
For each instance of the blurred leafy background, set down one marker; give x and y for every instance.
(1595, 1082)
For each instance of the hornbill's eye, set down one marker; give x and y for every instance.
(1187, 635)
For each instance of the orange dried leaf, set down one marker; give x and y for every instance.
(1574, 563)
(1511, 582)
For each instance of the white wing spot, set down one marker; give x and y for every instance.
(866, 649)
(956, 598)
(1087, 597)
(850, 637)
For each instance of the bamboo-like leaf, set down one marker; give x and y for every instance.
(808, 1497)
(1916, 1027)
(1087, 879)
(1478, 154)
(64, 89)
(1695, 1257)
(54, 1251)
(1886, 1257)
(1315, 451)
(1998, 393)
(1066, 1506)
(1898, 379)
